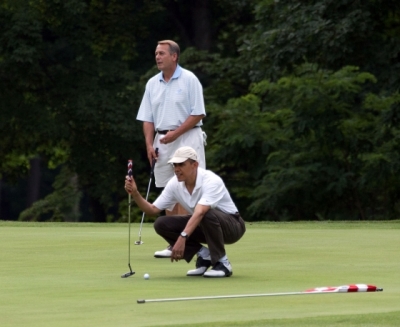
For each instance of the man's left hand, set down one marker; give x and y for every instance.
(178, 250)
(168, 138)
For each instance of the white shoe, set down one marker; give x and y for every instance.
(201, 267)
(220, 270)
(166, 253)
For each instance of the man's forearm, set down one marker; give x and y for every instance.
(148, 132)
(145, 206)
(188, 124)
(196, 218)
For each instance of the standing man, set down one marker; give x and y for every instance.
(213, 218)
(172, 109)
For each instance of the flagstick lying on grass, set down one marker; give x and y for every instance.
(318, 290)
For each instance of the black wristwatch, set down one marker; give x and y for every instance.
(184, 235)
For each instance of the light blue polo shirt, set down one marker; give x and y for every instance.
(169, 104)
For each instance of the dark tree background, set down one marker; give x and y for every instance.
(301, 97)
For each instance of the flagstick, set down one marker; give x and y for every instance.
(337, 290)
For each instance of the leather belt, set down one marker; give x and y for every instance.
(169, 130)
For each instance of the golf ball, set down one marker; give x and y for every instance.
(146, 276)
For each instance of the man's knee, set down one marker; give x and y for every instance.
(210, 214)
(161, 224)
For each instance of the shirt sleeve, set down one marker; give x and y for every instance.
(145, 112)
(212, 193)
(196, 97)
(166, 200)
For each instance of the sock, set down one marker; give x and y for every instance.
(224, 260)
(204, 253)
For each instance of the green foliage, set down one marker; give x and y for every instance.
(61, 205)
(321, 146)
(66, 97)
(73, 73)
(312, 138)
(329, 33)
(324, 148)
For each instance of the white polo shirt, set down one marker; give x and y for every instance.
(210, 191)
(169, 104)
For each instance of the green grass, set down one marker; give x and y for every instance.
(61, 274)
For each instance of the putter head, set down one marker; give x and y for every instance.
(138, 243)
(128, 274)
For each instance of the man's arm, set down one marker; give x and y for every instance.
(194, 221)
(148, 132)
(131, 188)
(187, 125)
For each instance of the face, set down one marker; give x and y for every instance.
(165, 60)
(186, 171)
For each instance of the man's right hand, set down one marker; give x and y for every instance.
(151, 154)
(130, 185)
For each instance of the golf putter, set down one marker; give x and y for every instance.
(130, 272)
(139, 242)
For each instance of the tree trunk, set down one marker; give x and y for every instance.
(201, 24)
(97, 211)
(33, 182)
(192, 20)
(1, 207)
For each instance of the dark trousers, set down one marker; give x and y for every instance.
(215, 229)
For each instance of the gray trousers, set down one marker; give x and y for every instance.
(215, 229)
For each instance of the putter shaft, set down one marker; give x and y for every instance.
(139, 242)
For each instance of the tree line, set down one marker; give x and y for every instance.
(301, 97)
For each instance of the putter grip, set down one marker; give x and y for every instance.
(130, 168)
(153, 163)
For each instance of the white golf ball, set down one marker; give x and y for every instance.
(146, 276)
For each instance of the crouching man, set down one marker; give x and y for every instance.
(213, 218)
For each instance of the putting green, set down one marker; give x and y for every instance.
(61, 274)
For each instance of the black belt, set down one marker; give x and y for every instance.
(169, 130)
